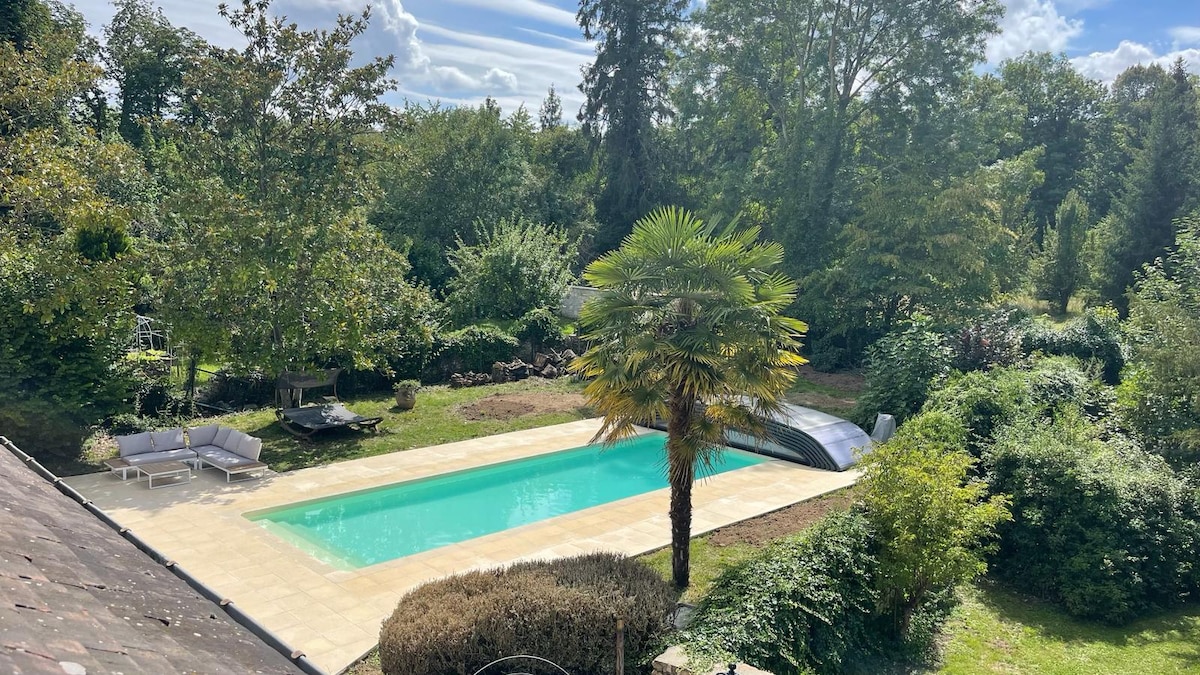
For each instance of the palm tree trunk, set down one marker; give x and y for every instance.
(681, 475)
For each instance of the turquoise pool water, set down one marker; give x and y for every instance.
(369, 527)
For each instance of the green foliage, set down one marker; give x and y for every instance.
(1094, 337)
(474, 348)
(1164, 320)
(626, 89)
(1059, 269)
(540, 328)
(102, 237)
(24, 22)
(1162, 180)
(801, 604)
(931, 520)
(1108, 530)
(903, 368)
(990, 341)
(563, 610)
(688, 327)
(516, 266)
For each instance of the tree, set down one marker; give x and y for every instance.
(147, 58)
(273, 266)
(626, 94)
(687, 328)
(517, 266)
(931, 519)
(790, 81)
(1062, 111)
(24, 22)
(1059, 269)
(1161, 184)
(550, 114)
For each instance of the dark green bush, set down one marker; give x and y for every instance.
(565, 611)
(1105, 528)
(474, 348)
(988, 342)
(1095, 336)
(804, 603)
(902, 369)
(236, 391)
(540, 329)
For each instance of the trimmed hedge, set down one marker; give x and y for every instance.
(563, 610)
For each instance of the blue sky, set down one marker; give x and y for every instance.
(459, 51)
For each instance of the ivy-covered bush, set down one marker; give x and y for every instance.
(564, 610)
(517, 266)
(474, 348)
(539, 328)
(804, 603)
(1101, 526)
(902, 369)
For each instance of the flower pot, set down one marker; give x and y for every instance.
(406, 398)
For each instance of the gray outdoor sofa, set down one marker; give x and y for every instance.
(229, 450)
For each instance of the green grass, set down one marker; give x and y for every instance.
(707, 563)
(998, 631)
(436, 419)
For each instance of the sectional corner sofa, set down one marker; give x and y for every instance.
(229, 450)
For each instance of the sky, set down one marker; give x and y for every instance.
(461, 51)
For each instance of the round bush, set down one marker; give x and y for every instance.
(564, 610)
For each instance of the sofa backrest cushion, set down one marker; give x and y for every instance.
(204, 435)
(135, 444)
(171, 439)
(250, 447)
(233, 440)
(222, 435)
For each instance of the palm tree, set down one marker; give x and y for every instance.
(687, 328)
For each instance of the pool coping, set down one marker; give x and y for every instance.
(333, 614)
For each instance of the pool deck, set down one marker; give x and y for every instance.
(333, 615)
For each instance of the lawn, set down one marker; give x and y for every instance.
(442, 415)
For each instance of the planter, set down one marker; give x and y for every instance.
(406, 398)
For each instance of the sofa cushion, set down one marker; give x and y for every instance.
(250, 447)
(222, 434)
(220, 457)
(135, 444)
(202, 435)
(171, 439)
(177, 455)
(233, 440)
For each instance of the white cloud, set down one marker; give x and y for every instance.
(532, 9)
(500, 81)
(1185, 35)
(1031, 25)
(1105, 66)
(403, 25)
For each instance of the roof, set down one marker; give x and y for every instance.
(76, 597)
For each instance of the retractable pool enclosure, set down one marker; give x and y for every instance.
(805, 436)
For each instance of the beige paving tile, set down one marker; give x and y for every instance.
(332, 614)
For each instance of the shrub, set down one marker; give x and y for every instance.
(932, 521)
(803, 603)
(1107, 529)
(565, 611)
(236, 391)
(539, 328)
(517, 266)
(1095, 336)
(474, 348)
(902, 369)
(988, 342)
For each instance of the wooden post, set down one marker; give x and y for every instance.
(620, 670)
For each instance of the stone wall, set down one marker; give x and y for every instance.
(573, 300)
(674, 662)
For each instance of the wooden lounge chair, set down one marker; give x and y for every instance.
(308, 420)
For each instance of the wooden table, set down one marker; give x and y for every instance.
(177, 473)
(119, 466)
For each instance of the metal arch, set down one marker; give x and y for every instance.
(522, 656)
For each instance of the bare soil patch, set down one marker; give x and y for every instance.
(508, 406)
(850, 383)
(788, 520)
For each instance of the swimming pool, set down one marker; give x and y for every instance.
(369, 527)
